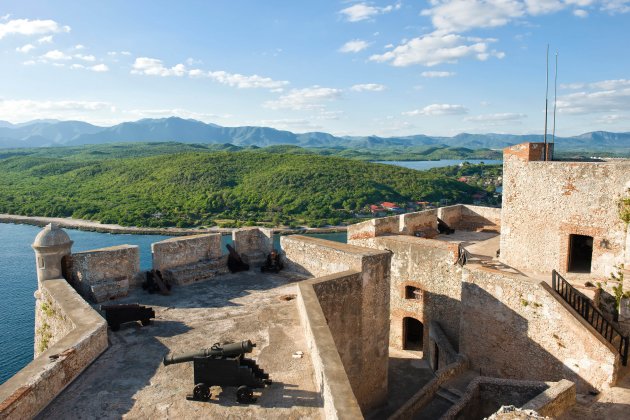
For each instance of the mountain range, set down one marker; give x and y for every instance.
(40, 133)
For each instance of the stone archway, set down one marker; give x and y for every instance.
(413, 333)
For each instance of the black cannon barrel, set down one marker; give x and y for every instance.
(226, 350)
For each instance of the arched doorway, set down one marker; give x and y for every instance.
(413, 331)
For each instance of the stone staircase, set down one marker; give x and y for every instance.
(191, 273)
(446, 396)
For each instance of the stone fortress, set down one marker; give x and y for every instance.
(405, 321)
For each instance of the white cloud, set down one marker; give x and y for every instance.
(25, 48)
(24, 110)
(85, 57)
(45, 40)
(438, 109)
(5, 17)
(363, 11)
(581, 13)
(112, 53)
(79, 47)
(611, 119)
(154, 67)
(500, 117)
(435, 48)
(616, 6)
(354, 46)
(291, 124)
(462, 15)
(29, 62)
(99, 68)
(607, 96)
(572, 86)
(307, 98)
(56, 55)
(245, 82)
(368, 87)
(433, 74)
(30, 27)
(125, 53)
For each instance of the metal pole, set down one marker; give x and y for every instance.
(546, 99)
(555, 100)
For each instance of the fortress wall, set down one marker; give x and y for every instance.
(105, 273)
(545, 202)
(253, 240)
(451, 215)
(480, 218)
(423, 223)
(51, 323)
(368, 327)
(70, 351)
(374, 227)
(430, 266)
(330, 374)
(515, 327)
(179, 251)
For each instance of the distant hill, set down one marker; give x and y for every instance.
(73, 133)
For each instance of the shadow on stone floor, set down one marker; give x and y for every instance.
(218, 292)
(284, 396)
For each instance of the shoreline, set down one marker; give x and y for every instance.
(91, 226)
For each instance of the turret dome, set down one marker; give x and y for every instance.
(51, 235)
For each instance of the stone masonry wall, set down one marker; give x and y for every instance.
(51, 323)
(105, 273)
(514, 327)
(367, 369)
(430, 266)
(471, 218)
(545, 202)
(69, 352)
(180, 251)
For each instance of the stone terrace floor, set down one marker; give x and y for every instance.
(129, 380)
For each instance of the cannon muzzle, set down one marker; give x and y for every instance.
(227, 350)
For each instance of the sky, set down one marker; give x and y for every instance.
(387, 68)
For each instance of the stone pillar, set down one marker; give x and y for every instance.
(50, 245)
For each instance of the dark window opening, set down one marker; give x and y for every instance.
(413, 293)
(580, 253)
(413, 331)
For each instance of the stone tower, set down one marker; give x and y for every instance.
(50, 245)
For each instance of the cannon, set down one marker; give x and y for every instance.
(223, 365)
(119, 314)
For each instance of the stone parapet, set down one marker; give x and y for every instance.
(330, 374)
(105, 273)
(253, 244)
(365, 307)
(176, 252)
(78, 339)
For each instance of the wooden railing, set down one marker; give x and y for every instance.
(585, 307)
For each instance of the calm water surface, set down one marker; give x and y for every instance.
(422, 165)
(18, 282)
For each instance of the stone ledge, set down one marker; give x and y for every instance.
(31, 389)
(331, 377)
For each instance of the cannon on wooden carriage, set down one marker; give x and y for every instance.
(223, 365)
(119, 314)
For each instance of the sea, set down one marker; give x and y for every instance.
(18, 282)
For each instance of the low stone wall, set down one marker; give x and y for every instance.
(448, 355)
(555, 400)
(176, 252)
(105, 273)
(253, 244)
(513, 326)
(484, 396)
(51, 322)
(374, 227)
(421, 398)
(367, 365)
(330, 374)
(423, 224)
(476, 218)
(451, 215)
(37, 384)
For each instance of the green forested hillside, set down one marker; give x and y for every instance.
(203, 188)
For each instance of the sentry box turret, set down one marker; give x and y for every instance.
(224, 365)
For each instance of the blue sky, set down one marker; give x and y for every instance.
(388, 68)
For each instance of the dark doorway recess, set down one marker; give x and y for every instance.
(580, 253)
(413, 331)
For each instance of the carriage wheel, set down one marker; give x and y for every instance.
(201, 392)
(244, 394)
